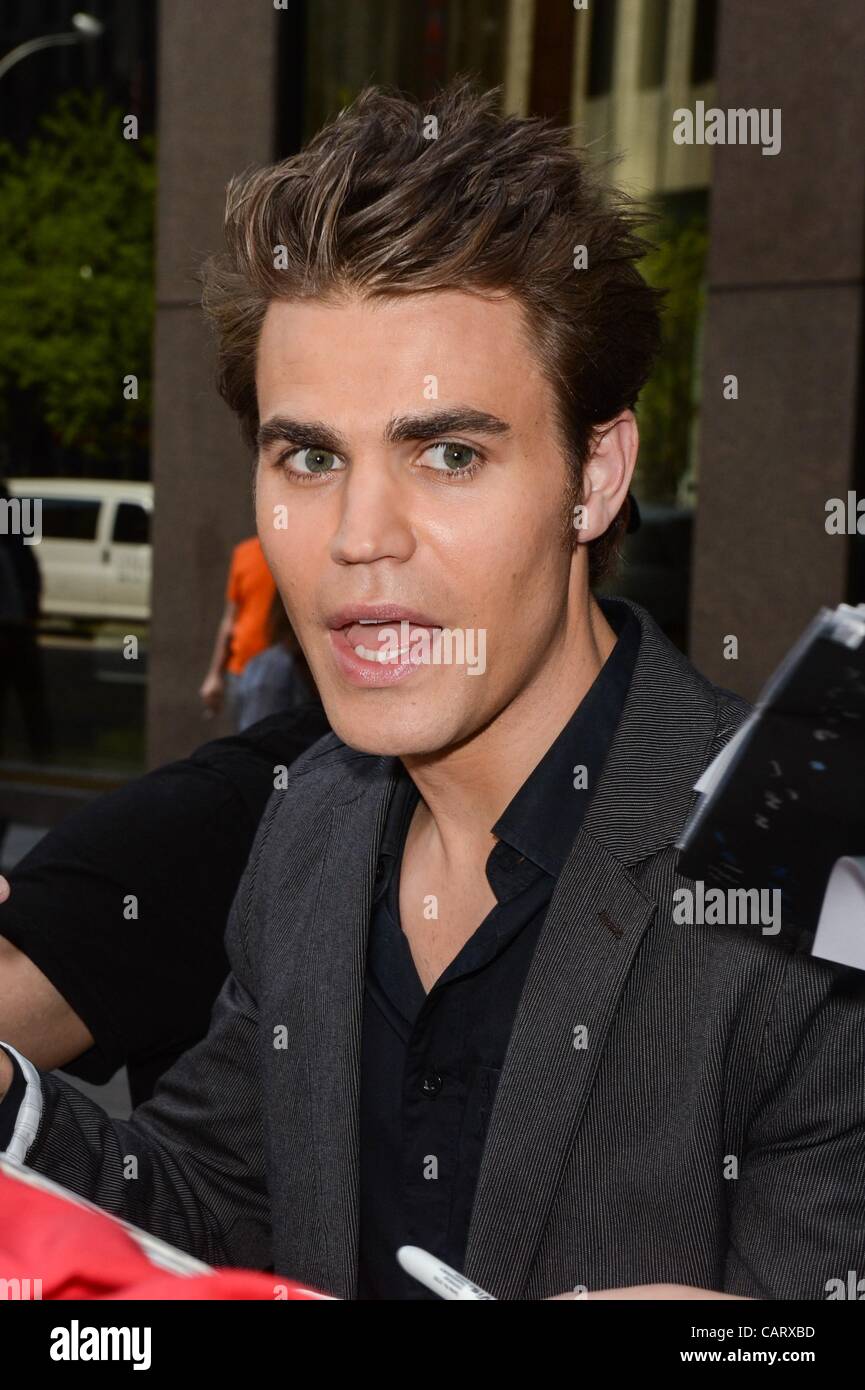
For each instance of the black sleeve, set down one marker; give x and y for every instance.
(123, 906)
(11, 1104)
(28, 577)
(198, 1145)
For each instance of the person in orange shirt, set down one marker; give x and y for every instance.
(245, 627)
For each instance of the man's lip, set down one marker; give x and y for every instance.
(385, 612)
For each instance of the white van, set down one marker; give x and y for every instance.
(95, 552)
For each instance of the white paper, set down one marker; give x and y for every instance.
(840, 934)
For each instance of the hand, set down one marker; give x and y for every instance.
(651, 1291)
(6, 1072)
(5, 889)
(212, 691)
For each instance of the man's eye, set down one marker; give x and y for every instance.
(452, 458)
(309, 463)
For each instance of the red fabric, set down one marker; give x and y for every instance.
(78, 1253)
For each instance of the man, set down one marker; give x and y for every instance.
(20, 657)
(243, 632)
(460, 1013)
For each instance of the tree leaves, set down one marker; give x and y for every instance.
(76, 262)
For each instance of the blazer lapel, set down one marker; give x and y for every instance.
(593, 928)
(594, 924)
(334, 1008)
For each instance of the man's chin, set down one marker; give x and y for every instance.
(417, 734)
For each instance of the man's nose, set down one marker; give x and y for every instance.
(374, 519)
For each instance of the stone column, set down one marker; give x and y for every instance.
(217, 109)
(784, 316)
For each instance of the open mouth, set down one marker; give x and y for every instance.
(384, 641)
(380, 642)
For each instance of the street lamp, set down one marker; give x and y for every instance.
(87, 25)
(87, 28)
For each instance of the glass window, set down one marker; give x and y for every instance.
(72, 698)
(602, 42)
(703, 51)
(653, 43)
(69, 518)
(415, 45)
(131, 525)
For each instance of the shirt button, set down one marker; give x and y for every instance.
(431, 1084)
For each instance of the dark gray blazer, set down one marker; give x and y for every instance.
(712, 1132)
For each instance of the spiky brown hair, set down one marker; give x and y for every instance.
(492, 204)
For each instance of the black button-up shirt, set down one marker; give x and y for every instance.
(431, 1063)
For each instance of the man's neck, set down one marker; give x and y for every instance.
(465, 789)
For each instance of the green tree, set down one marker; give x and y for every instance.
(668, 403)
(76, 261)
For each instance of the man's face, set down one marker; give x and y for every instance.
(373, 504)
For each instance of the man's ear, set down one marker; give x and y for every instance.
(607, 475)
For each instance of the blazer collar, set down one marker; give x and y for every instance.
(660, 748)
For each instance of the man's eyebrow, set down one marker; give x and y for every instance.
(305, 434)
(433, 424)
(315, 434)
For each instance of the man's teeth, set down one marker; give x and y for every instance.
(383, 657)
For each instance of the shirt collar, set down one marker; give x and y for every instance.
(544, 816)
